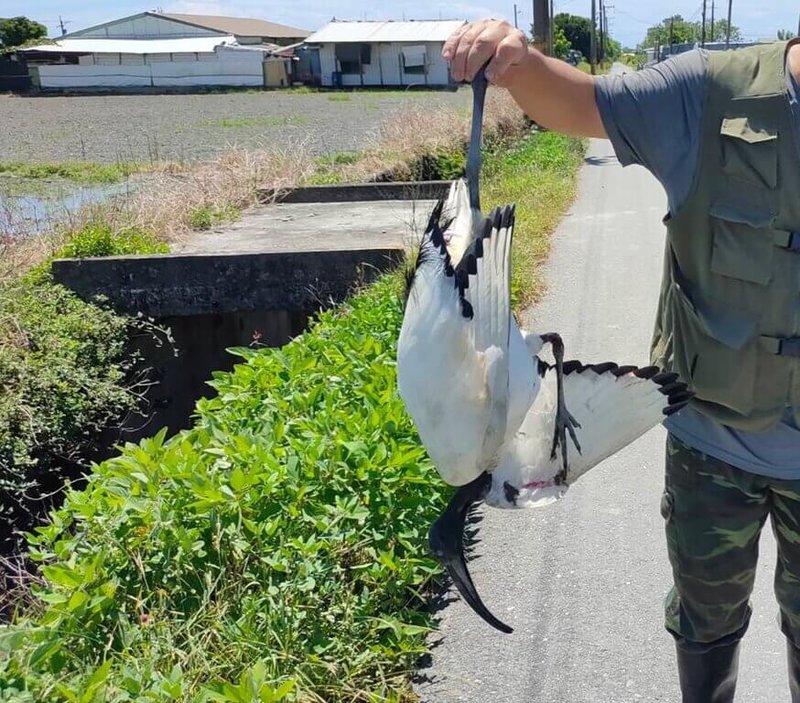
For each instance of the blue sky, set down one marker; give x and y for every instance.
(629, 19)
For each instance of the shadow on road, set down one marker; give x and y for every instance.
(600, 160)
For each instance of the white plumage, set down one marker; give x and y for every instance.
(480, 397)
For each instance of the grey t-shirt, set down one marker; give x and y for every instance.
(653, 118)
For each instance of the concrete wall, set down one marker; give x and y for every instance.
(234, 68)
(213, 303)
(143, 27)
(386, 66)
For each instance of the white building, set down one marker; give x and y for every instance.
(153, 50)
(383, 53)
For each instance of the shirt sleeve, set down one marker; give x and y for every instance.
(653, 118)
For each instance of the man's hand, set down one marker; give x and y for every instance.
(471, 46)
(550, 91)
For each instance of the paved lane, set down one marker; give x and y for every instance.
(582, 582)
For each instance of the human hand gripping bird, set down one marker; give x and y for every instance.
(494, 418)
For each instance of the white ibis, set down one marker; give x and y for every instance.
(491, 414)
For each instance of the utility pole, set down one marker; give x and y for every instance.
(728, 33)
(516, 26)
(601, 43)
(713, 31)
(541, 24)
(671, 33)
(703, 34)
(63, 25)
(551, 42)
(593, 46)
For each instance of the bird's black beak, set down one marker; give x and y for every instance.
(446, 540)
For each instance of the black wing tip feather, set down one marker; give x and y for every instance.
(499, 218)
(677, 392)
(434, 233)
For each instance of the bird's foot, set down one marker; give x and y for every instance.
(565, 424)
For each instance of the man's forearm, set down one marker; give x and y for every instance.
(555, 95)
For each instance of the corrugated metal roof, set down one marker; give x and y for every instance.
(338, 32)
(133, 46)
(240, 26)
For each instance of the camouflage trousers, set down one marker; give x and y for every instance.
(714, 514)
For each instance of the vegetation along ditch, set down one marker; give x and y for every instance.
(276, 550)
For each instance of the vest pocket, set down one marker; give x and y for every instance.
(715, 353)
(749, 151)
(743, 244)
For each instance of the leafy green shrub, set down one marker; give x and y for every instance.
(280, 544)
(206, 216)
(63, 369)
(100, 239)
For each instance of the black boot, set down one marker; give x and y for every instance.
(708, 676)
(794, 671)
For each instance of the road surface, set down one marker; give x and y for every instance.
(582, 582)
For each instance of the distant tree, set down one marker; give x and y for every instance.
(613, 50)
(561, 44)
(786, 34)
(685, 32)
(19, 30)
(719, 31)
(577, 30)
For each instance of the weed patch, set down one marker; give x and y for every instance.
(207, 216)
(64, 378)
(262, 121)
(100, 239)
(79, 171)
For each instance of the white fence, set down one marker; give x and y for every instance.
(245, 69)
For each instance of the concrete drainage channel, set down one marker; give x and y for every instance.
(260, 278)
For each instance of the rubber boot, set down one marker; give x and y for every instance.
(708, 676)
(794, 671)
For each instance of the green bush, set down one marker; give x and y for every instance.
(63, 368)
(277, 550)
(101, 239)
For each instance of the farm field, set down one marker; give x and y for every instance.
(148, 128)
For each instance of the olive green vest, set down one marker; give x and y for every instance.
(729, 313)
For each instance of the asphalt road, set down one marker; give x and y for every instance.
(582, 582)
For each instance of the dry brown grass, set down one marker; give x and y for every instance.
(416, 131)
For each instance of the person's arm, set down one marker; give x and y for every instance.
(551, 92)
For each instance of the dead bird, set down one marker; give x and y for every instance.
(494, 417)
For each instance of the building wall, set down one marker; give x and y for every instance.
(232, 68)
(386, 67)
(144, 27)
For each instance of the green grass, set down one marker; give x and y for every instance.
(208, 216)
(328, 171)
(339, 97)
(261, 121)
(78, 171)
(539, 174)
(100, 239)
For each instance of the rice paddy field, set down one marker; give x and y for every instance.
(196, 127)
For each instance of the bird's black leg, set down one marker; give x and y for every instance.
(564, 420)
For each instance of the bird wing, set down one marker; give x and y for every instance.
(452, 359)
(463, 223)
(614, 406)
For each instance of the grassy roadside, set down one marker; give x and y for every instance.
(538, 173)
(276, 551)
